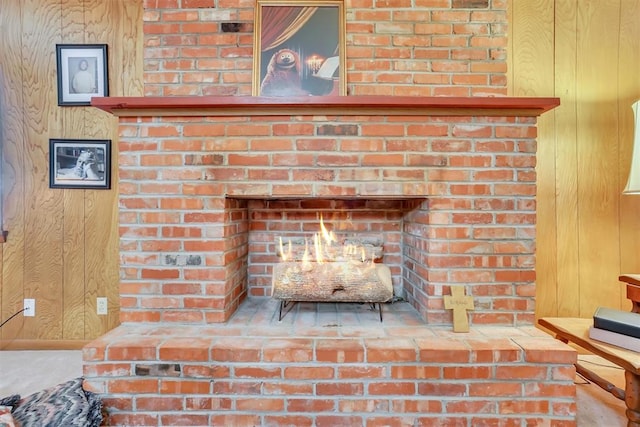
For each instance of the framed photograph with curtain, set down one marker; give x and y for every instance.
(299, 48)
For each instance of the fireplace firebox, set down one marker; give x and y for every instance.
(331, 268)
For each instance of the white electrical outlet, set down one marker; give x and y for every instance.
(101, 306)
(29, 307)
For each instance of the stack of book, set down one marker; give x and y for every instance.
(616, 327)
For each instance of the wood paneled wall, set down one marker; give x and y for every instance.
(61, 247)
(62, 244)
(587, 53)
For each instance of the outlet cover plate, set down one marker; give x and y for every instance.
(101, 306)
(29, 307)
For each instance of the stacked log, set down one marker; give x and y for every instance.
(338, 273)
(332, 281)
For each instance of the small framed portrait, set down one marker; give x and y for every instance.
(299, 48)
(80, 163)
(82, 73)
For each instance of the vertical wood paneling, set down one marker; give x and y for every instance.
(74, 247)
(43, 210)
(628, 92)
(12, 135)
(510, 49)
(533, 72)
(595, 60)
(130, 42)
(597, 111)
(566, 178)
(62, 248)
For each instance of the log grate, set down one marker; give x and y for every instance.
(284, 303)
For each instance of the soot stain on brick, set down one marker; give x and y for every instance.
(470, 4)
(159, 370)
(348, 130)
(183, 260)
(236, 27)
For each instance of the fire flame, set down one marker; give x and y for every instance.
(285, 255)
(329, 236)
(326, 248)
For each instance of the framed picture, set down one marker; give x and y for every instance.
(299, 48)
(82, 73)
(80, 163)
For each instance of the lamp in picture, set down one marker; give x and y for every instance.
(633, 183)
(314, 62)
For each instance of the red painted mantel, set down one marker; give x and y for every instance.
(345, 105)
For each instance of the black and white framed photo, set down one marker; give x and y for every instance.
(82, 73)
(80, 163)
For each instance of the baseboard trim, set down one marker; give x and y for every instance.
(43, 344)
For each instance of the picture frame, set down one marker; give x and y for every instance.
(80, 163)
(82, 73)
(299, 48)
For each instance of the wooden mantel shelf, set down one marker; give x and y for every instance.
(343, 105)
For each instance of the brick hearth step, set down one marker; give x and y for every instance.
(330, 364)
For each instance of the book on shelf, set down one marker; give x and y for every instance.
(614, 338)
(621, 322)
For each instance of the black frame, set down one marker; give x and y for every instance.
(69, 168)
(79, 91)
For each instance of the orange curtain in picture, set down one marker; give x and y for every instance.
(283, 23)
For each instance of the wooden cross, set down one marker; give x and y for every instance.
(459, 303)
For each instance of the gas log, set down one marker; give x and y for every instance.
(346, 281)
(360, 249)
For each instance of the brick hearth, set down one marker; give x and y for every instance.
(331, 365)
(208, 184)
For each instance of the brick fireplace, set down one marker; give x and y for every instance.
(426, 152)
(208, 184)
